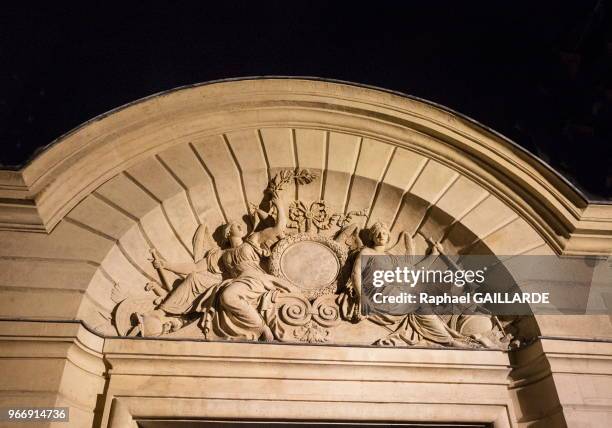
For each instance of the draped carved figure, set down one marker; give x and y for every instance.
(409, 329)
(227, 285)
(232, 309)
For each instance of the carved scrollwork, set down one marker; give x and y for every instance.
(325, 311)
(308, 322)
(294, 309)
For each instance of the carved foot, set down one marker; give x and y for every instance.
(484, 341)
(150, 325)
(462, 344)
(266, 335)
(156, 323)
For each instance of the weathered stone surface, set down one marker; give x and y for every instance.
(310, 264)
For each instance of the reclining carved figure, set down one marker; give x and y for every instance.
(225, 285)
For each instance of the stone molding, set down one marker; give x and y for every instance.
(250, 380)
(114, 382)
(38, 196)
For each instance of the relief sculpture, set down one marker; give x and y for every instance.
(293, 274)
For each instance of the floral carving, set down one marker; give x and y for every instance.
(318, 214)
(284, 177)
(311, 333)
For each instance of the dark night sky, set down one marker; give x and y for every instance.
(536, 71)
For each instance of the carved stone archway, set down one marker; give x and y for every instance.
(79, 221)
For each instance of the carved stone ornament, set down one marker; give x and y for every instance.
(318, 215)
(313, 263)
(292, 281)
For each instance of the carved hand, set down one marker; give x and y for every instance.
(438, 246)
(253, 208)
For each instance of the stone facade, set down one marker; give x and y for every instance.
(146, 255)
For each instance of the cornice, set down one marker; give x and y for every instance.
(36, 197)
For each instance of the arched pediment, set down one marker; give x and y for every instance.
(160, 202)
(148, 175)
(42, 193)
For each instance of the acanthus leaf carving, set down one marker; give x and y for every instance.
(311, 333)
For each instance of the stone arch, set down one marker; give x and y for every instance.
(83, 159)
(159, 202)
